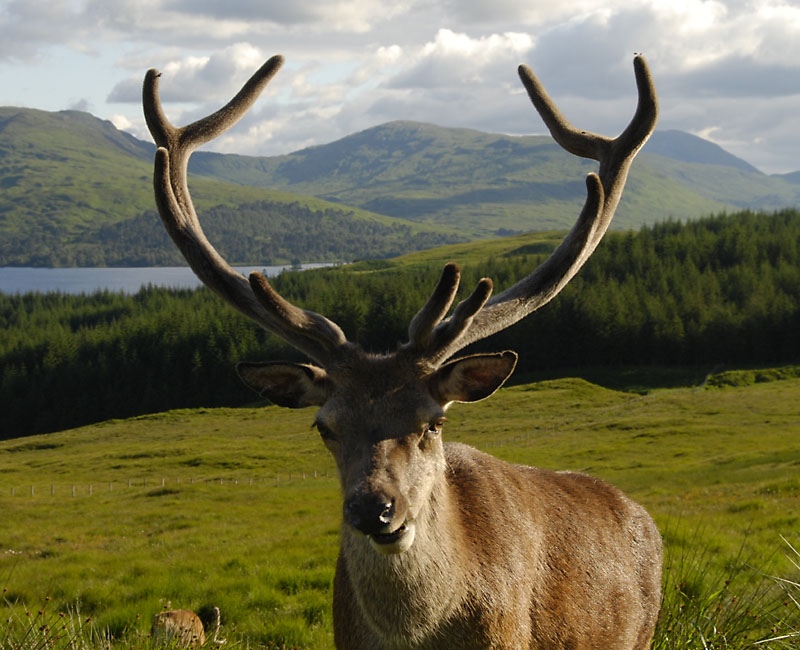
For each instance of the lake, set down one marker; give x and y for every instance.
(124, 280)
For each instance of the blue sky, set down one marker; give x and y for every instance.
(728, 71)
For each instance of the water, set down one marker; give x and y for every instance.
(124, 280)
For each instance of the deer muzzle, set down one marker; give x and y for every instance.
(382, 518)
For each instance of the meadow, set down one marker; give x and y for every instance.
(240, 508)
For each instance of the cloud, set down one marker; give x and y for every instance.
(354, 63)
(121, 122)
(458, 60)
(341, 15)
(737, 77)
(197, 79)
(27, 25)
(83, 105)
(284, 13)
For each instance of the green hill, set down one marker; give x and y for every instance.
(684, 147)
(711, 172)
(491, 184)
(75, 191)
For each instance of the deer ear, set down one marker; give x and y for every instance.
(473, 378)
(293, 385)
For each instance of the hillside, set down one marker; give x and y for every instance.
(492, 183)
(75, 191)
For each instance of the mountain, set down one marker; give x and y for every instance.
(76, 191)
(711, 172)
(791, 177)
(688, 148)
(488, 183)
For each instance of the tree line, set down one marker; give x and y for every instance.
(720, 290)
(272, 232)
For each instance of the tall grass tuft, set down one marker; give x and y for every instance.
(31, 629)
(735, 607)
(44, 629)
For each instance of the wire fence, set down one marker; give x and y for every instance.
(278, 479)
(78, 489)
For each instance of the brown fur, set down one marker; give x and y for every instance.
(504, 556)
(181, 625)
(184, 627)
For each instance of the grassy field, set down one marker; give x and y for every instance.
(239, 508)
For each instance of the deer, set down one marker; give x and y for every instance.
(183, 628)
(441, 545)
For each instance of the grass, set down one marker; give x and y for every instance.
(224, 507)
(727, 606)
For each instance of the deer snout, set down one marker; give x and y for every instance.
(374, 513)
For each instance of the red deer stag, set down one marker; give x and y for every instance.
(443, 546)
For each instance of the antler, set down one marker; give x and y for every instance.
(436, 340)
(431, 338)
(313, 334)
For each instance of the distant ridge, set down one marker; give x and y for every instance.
(686, 147)
(487, 183)
(20, 125)
(791, 177)
(76, 191)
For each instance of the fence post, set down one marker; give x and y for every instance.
(52, 490)
(73, 490)
(90, 488)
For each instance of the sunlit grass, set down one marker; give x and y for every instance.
(212, 518)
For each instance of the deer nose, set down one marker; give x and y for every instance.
(369, 513)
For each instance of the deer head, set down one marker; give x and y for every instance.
(381, 415)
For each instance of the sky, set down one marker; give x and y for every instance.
(728, 71)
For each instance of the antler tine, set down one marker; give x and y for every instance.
(644, 119)
(431, 314)
(311, 333)
(428, 335)
(451, 330)
(207, 128)
(307, 324)
(603, 193)
(575, 141)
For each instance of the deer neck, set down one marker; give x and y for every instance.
(405, 598)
